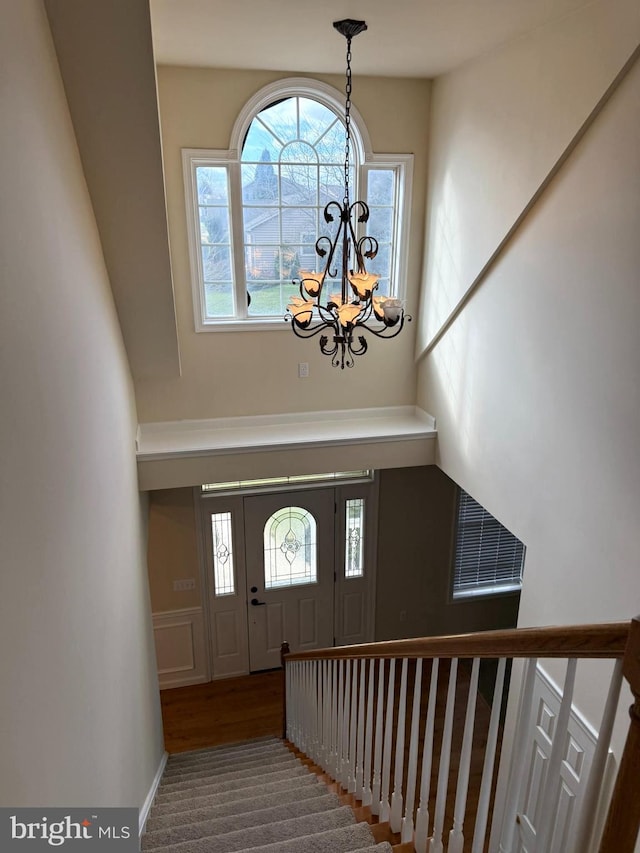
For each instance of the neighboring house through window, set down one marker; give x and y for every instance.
(255, 211)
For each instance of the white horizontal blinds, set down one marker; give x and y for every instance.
(222, 547)
(488, 557)
(354, 538)
(214, 235)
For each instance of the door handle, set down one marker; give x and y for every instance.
(256, 603)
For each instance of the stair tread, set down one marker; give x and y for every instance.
(218, 797)
(198, 788)
(275, 834)
(236, 807)
(342, 840)
(251, 819)
(191, 772)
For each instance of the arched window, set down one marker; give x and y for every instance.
(290, 548)
(255, 211)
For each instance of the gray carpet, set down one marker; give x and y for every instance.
(251, 796)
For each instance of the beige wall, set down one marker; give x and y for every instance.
(79, 714)
(173, 549)
(106, 59)
(535, 386)
(228, 374)
(415, 540)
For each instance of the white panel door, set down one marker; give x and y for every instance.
(578, 750)
(289, 541)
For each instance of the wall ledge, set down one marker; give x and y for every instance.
(252, 434)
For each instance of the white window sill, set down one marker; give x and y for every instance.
(277, 324)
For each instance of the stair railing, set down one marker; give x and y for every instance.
(371, 717)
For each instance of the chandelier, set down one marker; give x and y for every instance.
(342, 316)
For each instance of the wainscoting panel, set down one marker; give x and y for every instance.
(181, 651)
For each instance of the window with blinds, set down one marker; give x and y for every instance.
(489, 559)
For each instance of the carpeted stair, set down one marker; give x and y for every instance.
(252, 796)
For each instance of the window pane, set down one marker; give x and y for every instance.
(380, 224)
(354, 538)
(290, 548)
(282, 120)
(330, 147)
(218, 299)
(259, 140)
(216, 268)
(212, 185)
(222, 540)
(488, 557)
(381, 186)
(315, 120)
(216, 263)
(260, 183)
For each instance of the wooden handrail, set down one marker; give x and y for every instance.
(607, 640)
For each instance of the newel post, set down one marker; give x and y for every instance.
(623, 819)
(284, 650)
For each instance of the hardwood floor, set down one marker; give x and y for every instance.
(222, 711)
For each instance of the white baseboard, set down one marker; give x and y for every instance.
(146, 806)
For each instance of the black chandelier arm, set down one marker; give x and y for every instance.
(387, 331)
(364, 210)
(366, 247)
(328, 216)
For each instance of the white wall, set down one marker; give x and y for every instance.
(535, 386)
(79, 713)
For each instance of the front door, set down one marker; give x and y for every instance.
(289, 541)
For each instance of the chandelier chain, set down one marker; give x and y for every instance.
(347, 124)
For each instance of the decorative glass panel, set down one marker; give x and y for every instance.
(354, 539)
(223, 573)
(290, 548)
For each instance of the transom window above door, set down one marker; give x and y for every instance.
(255, 212)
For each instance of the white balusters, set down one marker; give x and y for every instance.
(351, 785)
(395, 816)
(340, 721)
(345, 765)
(544, 824)
(368, 737)
(360, 736)
(456, 836)
(377, 753)
(596, 774)
(435, 842)
(412, 769)
(484, 798)
(518, 763)
(422, 816)
(333, 760)
(385, 807)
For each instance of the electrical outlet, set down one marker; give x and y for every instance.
(303, 369)
(403, 615)
(184, 585)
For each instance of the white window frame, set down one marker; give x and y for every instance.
(401, 164)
